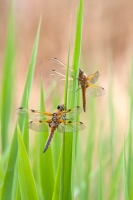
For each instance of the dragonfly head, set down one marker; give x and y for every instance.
(60, 107)
(81, 71)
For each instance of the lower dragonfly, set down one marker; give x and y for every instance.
(60, 119)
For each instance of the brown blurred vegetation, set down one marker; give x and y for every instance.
(107, 41)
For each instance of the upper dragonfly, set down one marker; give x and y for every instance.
(60, 119)
(85, 82)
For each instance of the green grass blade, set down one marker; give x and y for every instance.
(1, 177)
(77, 50)
(30, 74)
(100, 171)
(45, 159)
(56, 144)
(8, 181)
(63, 160)
(115, 181)
(112, 118)
(89, 149)
(130, 137)
(126, 197)
(15, 187)
(78, 38)
(26, 179)
(25, 130)
(75, 95)
(79, 166)
(57, 185)
(7, 82)
(67, 73)
(18, 195)
(25, 133)
(69, 139)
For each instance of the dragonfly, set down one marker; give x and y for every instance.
(85, 82)
(61, 119)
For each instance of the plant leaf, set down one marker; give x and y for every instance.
(25, 176)
(7, 82)
(46, 167)
(8, 180)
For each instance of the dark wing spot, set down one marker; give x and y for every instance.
(78, 106)
(69, 121)
(32, 110)
(53, 70)
(40, 121)
(20, 107)
(81, 122)
(55, 58)
(30, 122)
(103, 88)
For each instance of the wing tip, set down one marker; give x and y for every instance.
(104, 91)
(83, 126)
(20, 108)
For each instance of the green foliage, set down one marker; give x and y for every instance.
(64, 171)
(7, 82)
(27, 185)
(46, 168)
(9, 174)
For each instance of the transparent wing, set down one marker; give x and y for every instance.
(38, 126)
(71, 113)
(92, 78)
(32, 114)
(56, 62)
(60, 78)
(69, 126)
(95, 91)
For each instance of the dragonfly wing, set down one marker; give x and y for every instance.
(32, 114)
(71, 113)
(70, 126)
(56, 62)
(95, 91)
(92, 78)
(60, 78)
(60, 74)
(39, 126)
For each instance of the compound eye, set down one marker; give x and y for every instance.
(58, 107)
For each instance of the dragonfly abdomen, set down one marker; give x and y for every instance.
(84, 98)
(49, 139)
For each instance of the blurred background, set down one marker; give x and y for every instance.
(107, 40)
(107, 46)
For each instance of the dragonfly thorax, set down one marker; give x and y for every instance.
(54, 119)
(83, 80)
(54, 123)
(54, 114)
(82, 75)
